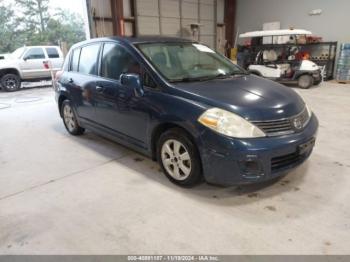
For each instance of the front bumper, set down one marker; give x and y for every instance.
(230, 161)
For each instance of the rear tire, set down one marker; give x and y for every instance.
(179, 159)
(70, 119)
(10, 82)
(305, 81)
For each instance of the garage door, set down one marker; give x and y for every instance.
(147, 15)
(174, 17)
(207, 12)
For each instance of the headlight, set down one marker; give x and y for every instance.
(229, 124)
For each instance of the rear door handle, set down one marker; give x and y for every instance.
(99, 88)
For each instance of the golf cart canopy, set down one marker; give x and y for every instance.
(282, 32)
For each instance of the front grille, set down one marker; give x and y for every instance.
(285, 161)
(284, 126)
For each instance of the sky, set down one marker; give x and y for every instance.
(73, 5)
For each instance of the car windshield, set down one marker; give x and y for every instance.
(18, 52)
(180, 62)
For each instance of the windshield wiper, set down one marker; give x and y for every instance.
(240, 73)
(201, 78)
(223, 76)
(188, 79)
(207, 78)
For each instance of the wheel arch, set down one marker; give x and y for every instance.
(60, 100)
(11, 70)
(298, 74)
(159, 129)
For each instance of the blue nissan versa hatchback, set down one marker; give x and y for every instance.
(186, 106)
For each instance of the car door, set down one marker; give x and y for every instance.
(32, 64)
(55, 57)
(118, 107)
(81, 79)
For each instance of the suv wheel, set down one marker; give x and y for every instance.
(305, 81)
(70, 120)
(179, 159)
(10, 82)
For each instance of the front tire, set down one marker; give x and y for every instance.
(10, 82)
(70, 119)
(179, 158)
(305, 81)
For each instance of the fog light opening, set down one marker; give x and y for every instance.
(251, 167)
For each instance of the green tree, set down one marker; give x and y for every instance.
(31, 22)
(35, 15)
(65, 26)
(10, 35)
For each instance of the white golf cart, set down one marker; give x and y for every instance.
(283, 66)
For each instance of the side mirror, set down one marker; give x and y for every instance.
(132, 81)
(25, 58)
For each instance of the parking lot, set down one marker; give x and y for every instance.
(61, 194)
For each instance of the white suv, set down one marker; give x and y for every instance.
(30, 63)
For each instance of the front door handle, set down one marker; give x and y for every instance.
(99, 88)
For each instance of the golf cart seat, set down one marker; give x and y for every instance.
(285, 68)
(270, 56)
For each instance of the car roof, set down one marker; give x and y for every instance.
(138, 40)
(281, 32)
(157, 39)
(42, 46)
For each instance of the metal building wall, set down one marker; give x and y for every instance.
(159, 17)
(174, 17)
(101, 14)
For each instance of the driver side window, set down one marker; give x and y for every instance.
(35, 53)
(116, 60)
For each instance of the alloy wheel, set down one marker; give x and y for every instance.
(11, 83)
(176, 159)
(69, 118)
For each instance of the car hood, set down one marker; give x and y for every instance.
(252, 97)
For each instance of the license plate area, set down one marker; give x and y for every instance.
(306, 147)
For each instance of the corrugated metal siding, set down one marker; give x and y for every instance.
(220, 11)
(170, 17)
(170, 26)
(207, 14)
(104, 28)
(147, 8)
(174, 17)
(170, 8)
(101, 9)
(148, 25)
(189, 9)
(147, 17)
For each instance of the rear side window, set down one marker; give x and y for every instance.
(116, 61)
(88, 59)
(35, 53)
(52, 52)
(75, 60)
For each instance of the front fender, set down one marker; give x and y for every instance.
(61, 93)
(10, 68)
(174, 111)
